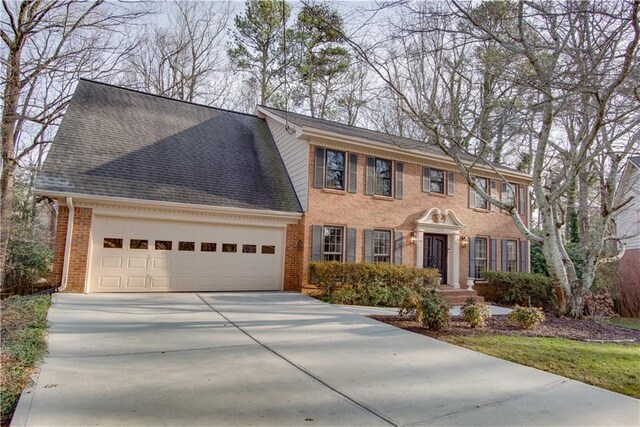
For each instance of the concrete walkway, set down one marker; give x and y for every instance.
(281, 359)
(391, 311)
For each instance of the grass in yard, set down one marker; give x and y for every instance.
(625, 322)
(23, 345)
(612, 366)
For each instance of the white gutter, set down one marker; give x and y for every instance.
(67, 246)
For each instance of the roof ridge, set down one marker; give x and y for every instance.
(345, 124)
(141, 92)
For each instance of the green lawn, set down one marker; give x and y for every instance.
(625, 322)
(24, 328)
(612, 366)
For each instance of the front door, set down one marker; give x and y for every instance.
(435, 253)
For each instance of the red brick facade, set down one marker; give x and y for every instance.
(79, 248)
(294, 256)
(360, 211)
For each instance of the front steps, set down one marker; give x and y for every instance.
(459, 296)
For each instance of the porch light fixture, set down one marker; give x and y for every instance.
(464, 242)
(413, 237)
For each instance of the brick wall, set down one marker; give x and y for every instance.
(79, 248)
(360, 211)
(294, 256)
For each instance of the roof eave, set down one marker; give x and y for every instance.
(293, 217)
(314, 132)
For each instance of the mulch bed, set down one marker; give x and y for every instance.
(552, 327)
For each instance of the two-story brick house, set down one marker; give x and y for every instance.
(157, 194)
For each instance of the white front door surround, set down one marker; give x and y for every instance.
(437, 221)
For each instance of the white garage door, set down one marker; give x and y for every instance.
(138, 255)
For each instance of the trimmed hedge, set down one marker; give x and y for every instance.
(525, 289)
(386, 285)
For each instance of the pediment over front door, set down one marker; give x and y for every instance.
(441, 219)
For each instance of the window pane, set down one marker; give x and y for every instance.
(268, 249)
(334, 177)
(186, 246)
(207, 247)
(381, 246)
(163, 245)
(138, 244)
(512, 255)
(229, 247)
(383, 177)
(508, 193)
(480, 202)
(332, 244)
(481, 255)
(249, 249)
(112, 243)
(437, 181)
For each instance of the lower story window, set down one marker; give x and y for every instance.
(481, 255)
(333, 244)
(512, 255)
(381, 246)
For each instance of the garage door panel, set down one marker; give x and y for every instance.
(185, 267)
(111, 262)
(137, 262)
(110, 282)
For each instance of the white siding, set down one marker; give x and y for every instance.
(295, 154)
(628, 220)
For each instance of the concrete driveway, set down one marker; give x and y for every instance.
(281, 359)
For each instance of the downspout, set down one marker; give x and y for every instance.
(67, 246)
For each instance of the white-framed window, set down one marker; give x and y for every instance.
(512, 255)
(382, 246)
(479, 201)
(508, 193)
(334, 170)
(383, 182)
(333, 243)
(481, 255)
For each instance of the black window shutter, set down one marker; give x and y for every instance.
(371, 165)
(426, 180)
(504, 255)
(397, 250)
(316, 243)
(318, 175)
(494, 254)
(472, 257)
(399, 180)
(472, 197)
(353, 173)
(368, 245)
(523, 255)
(452, 183)
(523, 200)
(351, 244)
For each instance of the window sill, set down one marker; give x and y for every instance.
(436, 194)
(481, 210)
(333, 191)
(386, 198)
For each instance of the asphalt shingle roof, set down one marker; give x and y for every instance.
(635, 160)
(123, 143)
(371, 135)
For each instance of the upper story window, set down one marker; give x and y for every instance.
(334, 170)
(481, 258)
(381, 246)
(512, 255)
(333, 244)
(383, 177)
(479, 201)
(436, 181)
(508, 193)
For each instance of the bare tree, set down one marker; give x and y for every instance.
(46, 46)
(555, 75)
(186, 58)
